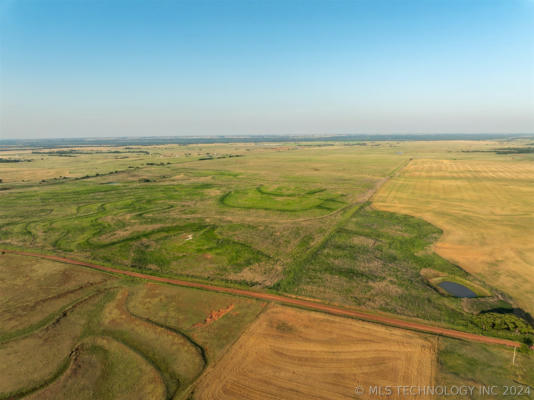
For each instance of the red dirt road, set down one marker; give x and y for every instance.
(308, 304)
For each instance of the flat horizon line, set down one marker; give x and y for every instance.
(270, 135)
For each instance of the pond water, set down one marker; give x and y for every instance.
(456, 289)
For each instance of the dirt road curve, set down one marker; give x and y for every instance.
(308, 304)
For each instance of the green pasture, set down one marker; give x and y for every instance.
(467, 363)
(175, 212)
(290, 217)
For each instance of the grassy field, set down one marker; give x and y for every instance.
(289, 217)
(294, 354)
(298, 218)
(189, 311)
(128, 339)
(464, 363)
(375, 261)
(85, 379)
(29, 302)
(177, 213)
(486, 211)
(113, 339)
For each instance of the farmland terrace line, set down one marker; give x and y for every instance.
(307, 304)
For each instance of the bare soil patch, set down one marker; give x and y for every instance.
(214, 316)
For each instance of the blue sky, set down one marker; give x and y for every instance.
(73, 68)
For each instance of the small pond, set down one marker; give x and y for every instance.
(456, 289)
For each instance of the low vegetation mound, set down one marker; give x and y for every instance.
(282, 199)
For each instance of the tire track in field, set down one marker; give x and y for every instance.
(306, 304)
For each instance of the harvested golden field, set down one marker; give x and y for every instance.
(294, 354)
(486, 211)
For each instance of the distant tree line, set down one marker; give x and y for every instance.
(74, 152)
(184, 140)
(13, 160)
(504, 150)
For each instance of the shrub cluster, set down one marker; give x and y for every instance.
(508, 322)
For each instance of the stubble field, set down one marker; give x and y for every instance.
(486, 211)
(294, 354)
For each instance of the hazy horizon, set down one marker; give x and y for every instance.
(71, 69)
(217, 138)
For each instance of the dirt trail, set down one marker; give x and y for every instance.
(307, 304)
